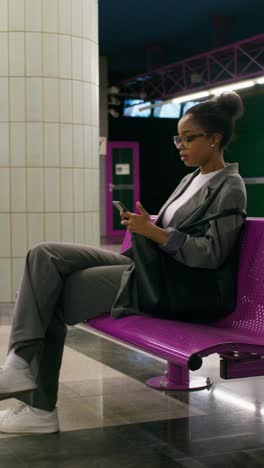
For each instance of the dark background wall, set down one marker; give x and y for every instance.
(161, 168)
(248, 149)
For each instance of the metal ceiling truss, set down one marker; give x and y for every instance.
(225, 65)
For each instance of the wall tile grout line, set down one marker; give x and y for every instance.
(52, 33)
(43, 123)
(10, 175)
(26, 133)
(59, 126)
(53, 167)
(50, 78)
(47, 121)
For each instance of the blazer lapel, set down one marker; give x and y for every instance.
(189, 209)
(177, 192)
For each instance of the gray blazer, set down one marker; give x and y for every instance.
(207, 245)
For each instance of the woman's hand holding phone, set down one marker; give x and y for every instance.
(141, 223)
(138, 223)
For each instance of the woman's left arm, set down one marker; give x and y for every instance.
(210, 249)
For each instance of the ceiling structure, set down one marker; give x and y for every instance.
(139, 36)
(239, 65)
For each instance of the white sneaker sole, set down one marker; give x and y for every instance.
(32, 430)
(6, 396)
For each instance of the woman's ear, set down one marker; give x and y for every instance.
(216, 139)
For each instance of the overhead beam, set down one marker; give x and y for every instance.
(225, 65)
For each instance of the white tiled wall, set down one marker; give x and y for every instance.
(19, 234)
(50, 16)
(3, 16)
(66, 142)
(16, 15)
(17, 99)
(33, 15)
(52, 145)
(65, 16)
(79, 228)
(49, 176)
(3, 53)
(66, 191)
(16, 54)
(4, 144)
(52, 227)
(65, 52)
(67, 227)
(4, 107)
(66, 101)
(18, 144)
(34, 148)
(35, 228)
(51, 100)
(34, 100)
(4, 190)
(5, 279)
(5, 238)
(18, 189)
(33, 54)
(78, 139)
(51, 55)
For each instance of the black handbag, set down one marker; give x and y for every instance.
(169, 289)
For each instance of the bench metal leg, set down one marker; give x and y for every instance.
(178, 378)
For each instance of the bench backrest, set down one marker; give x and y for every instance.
(248, 315)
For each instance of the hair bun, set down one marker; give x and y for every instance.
(231, 103)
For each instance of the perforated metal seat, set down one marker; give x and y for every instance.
(248, 317)
(238, 339)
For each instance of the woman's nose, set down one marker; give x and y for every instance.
(180, 145)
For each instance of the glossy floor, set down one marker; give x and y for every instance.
(110, 419)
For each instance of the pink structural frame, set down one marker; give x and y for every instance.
(225, 65)
(111, 232)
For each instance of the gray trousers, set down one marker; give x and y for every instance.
(62, 284)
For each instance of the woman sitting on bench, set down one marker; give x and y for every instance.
(182, 267)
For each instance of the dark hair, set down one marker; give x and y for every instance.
(218, 115)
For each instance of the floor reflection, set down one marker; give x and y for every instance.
(109, 418)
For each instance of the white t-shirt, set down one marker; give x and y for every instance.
(195, 185)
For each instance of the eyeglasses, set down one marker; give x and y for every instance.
(177, 140)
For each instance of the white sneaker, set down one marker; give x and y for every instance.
(23, 420)
(14, 382)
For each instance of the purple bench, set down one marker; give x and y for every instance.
(238, 339)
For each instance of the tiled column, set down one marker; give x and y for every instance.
(49, 162)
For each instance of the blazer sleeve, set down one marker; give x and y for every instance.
(210, 249)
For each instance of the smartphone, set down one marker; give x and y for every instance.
(119, 205)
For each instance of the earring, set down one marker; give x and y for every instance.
(213, 146)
